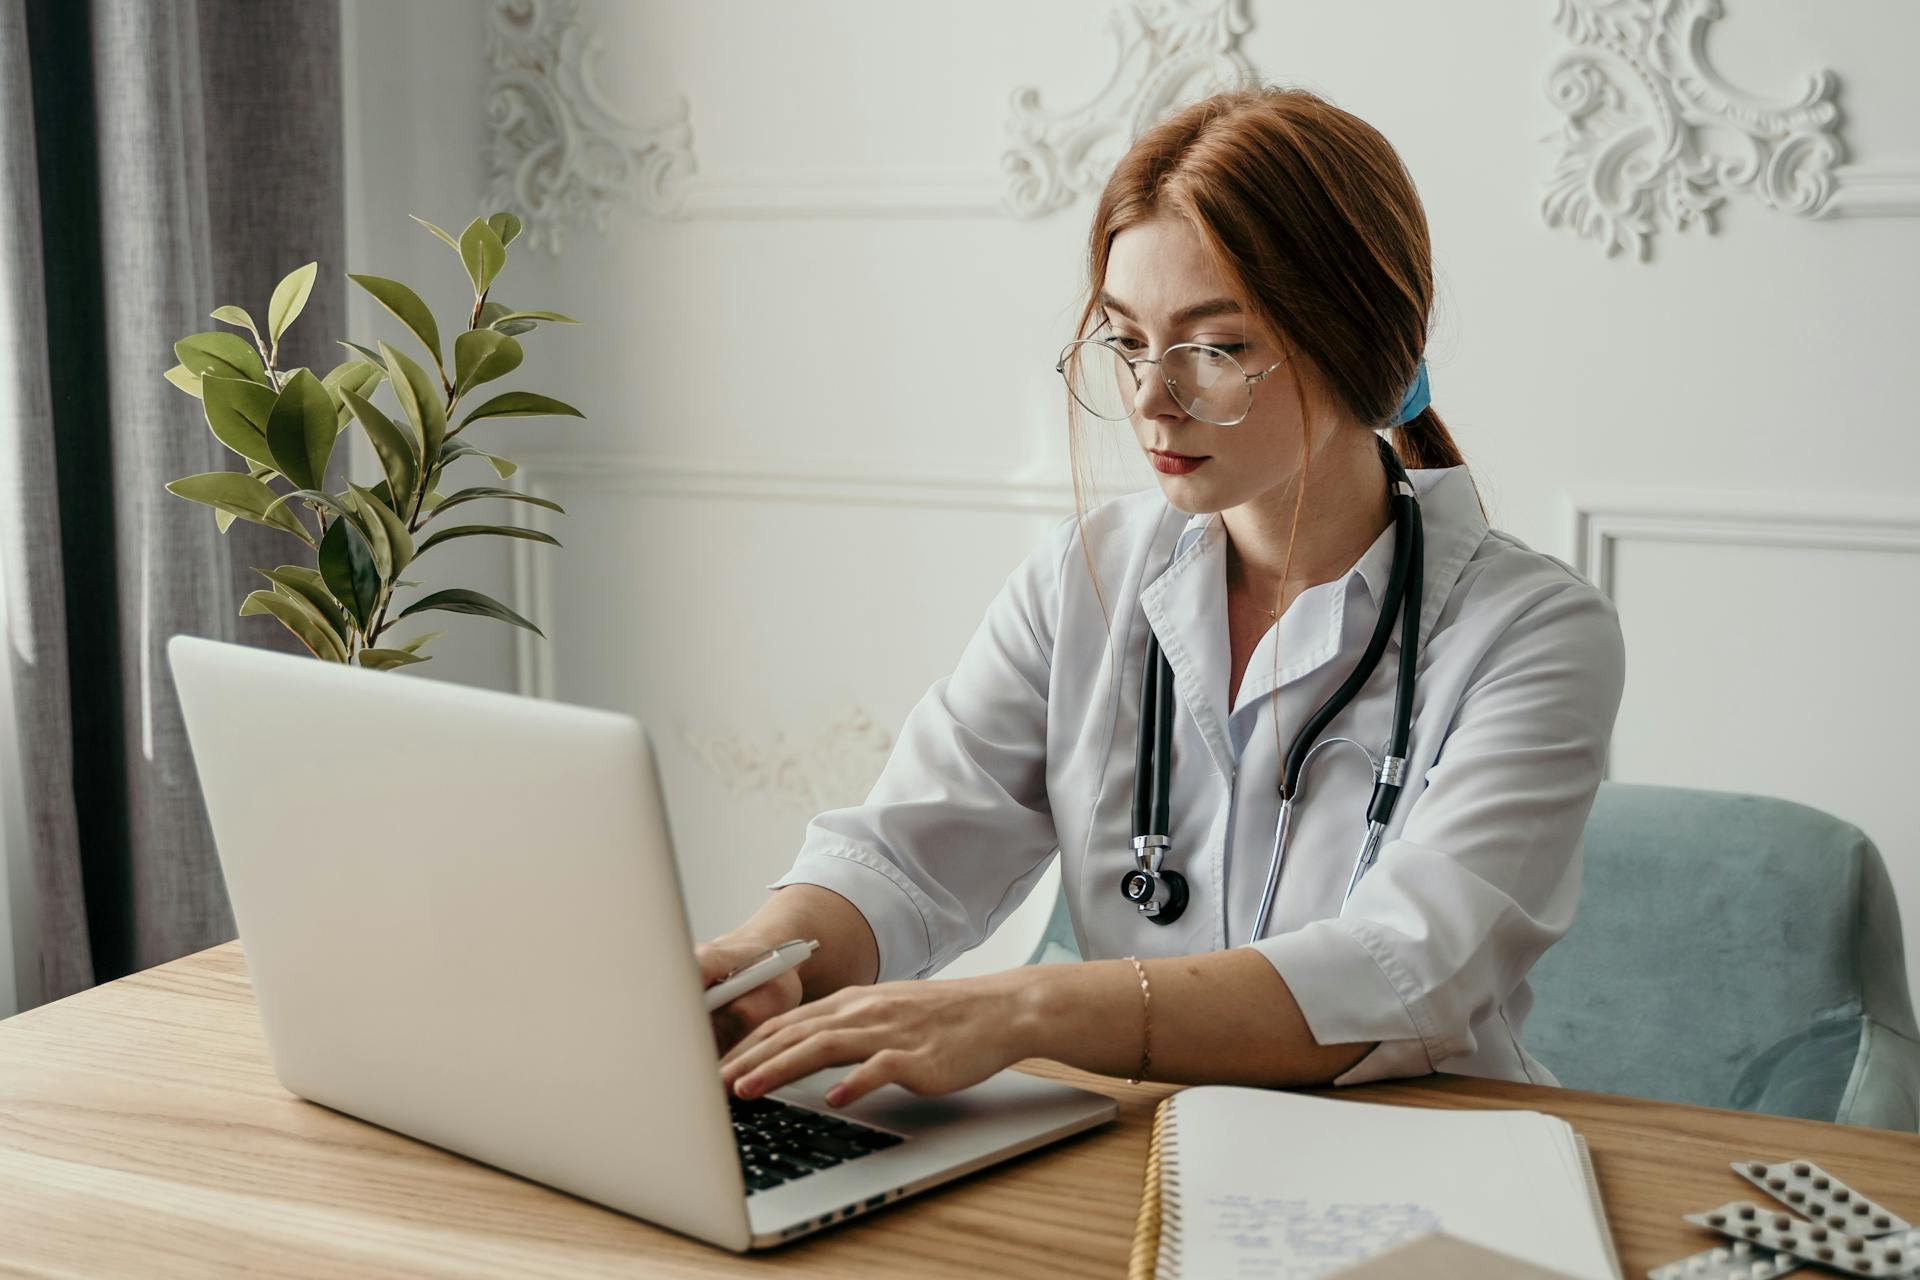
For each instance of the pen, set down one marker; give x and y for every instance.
(763, 968)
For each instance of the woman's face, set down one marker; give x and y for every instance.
(1156, 271)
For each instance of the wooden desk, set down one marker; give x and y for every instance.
(142, 1133)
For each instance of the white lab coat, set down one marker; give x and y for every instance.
(1028, 747)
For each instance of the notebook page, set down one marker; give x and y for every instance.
(1278, 1186)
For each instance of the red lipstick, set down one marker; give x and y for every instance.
(1174, 464)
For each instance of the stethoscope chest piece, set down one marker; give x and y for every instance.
(1159, 895)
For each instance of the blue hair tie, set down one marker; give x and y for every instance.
(1417, 398)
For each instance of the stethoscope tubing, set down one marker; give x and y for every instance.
(1403, 600)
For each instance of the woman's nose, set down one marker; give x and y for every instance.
(1153, 397)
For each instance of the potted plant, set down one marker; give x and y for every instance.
(284, 425)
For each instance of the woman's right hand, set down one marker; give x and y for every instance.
(733, 1020)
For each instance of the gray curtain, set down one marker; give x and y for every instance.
(158, 158)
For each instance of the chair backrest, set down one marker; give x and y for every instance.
(1726, 947)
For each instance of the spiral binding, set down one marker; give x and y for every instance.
(1156, 1234)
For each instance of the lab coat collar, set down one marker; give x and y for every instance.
(1186, 604)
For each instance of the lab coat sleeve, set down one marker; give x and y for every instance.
(1484, 873)
(958, 826)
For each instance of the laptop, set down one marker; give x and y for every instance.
(463, 922)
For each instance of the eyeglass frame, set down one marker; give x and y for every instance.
(1060, 367)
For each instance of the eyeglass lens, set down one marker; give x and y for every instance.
(1208, 384)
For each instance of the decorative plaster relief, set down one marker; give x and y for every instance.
(837, 768)
(1165, 52)
(1656, 137)
(561, 153)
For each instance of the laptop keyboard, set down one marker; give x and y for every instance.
(779, 1142)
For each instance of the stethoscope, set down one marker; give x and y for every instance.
(1161, 894)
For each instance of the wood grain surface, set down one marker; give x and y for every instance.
(142, 1133)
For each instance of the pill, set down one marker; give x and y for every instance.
(1841, 1194)
(1820, 1184)
(1801, 1169)
(1746, 1213)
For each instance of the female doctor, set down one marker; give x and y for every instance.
(1260, 286)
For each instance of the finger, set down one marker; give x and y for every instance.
(889, 1066)
(756, 1049)
(824, 1049)
(779, 1023)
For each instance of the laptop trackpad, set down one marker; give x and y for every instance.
(888, 1107)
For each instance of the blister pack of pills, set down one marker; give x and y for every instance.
(1896, 1256)
(1817, 1194)
(1736, 1261)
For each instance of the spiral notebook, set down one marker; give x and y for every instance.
(1254, 1184)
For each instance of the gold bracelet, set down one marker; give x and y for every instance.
(1146, 1028)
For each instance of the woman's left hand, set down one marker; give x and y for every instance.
(930, 1036)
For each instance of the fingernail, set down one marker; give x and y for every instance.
(743, 1087)
(836, 1095)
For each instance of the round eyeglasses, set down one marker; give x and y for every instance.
(1205, 381)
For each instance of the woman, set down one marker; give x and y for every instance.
(1286, 234)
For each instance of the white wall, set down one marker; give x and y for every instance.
(768, 569)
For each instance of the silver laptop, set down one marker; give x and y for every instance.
(463, 922)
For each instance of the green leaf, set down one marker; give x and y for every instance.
(238, 411)
(382, 659)
(399, 541)
(406, 306)
(393, 446)
(356, 376)
(504, 225)
(419, 399)
(414, 645)
(468, 530)
(521, 404)
(239, 316)
(372, 357)
(481, 355)
(347, 567)
(185, 379)
(370, 527)
(460, 600)
(300, 618)
(289, 300)
(243, 496)
(225, 519)
(318, 496)
(553, 316)
(484, 254)
(487, 491)
(308, 584)
(451, 242)
(218, 354)
(300, 430)
(460, 448)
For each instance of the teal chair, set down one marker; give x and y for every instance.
(1730, 951)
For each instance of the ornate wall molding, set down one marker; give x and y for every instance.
(561, 153)
(1165, 52)
(1599, 521)
(835, 767)
(1656, 138)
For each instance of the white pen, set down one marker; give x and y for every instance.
(763, 968)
